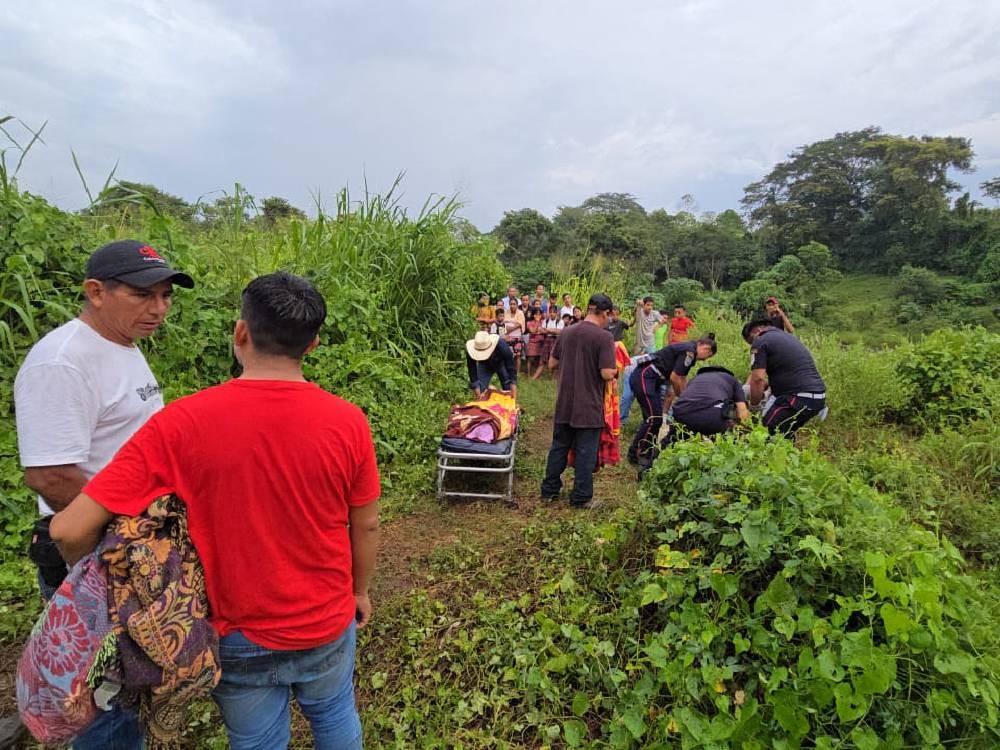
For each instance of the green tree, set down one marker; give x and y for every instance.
(612, 234)
(525, 234)
(127, 197)
(991, 188)
(613, 203)
(861, 193)
(275, 208)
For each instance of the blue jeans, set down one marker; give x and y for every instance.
(625, 406)
(117, 729)
(257, 682)
(584, 442)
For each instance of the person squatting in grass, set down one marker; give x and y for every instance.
(713, 402)
(281, 487)
(82, 391)
(670, 365)
(585, 356)
(780, 361)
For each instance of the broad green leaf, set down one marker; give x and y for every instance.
(574, 731)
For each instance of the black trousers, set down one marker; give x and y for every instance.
(646, 385)
(790, 412)
(708, 421)
(584, 442)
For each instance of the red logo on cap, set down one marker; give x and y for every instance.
(150, 254)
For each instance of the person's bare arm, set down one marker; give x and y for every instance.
(364, 549)
(553, 363)
(679, 382)
(742, 412)
(78, 528)
(608, 373)
(758, 382)
(786, 323)
(58, 485)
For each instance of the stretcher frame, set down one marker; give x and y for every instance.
(463, 462)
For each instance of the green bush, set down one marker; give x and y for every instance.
(921, 286)
(756, 599)
(784, 606)
(681, 291)
(951, 377)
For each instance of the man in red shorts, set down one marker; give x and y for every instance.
(280, 483)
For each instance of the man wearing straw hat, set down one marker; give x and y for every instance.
(491, 356)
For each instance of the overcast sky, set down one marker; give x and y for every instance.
(508, 104)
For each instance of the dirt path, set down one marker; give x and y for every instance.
(409, 541)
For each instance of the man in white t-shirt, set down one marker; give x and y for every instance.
(79, 395)
(567, 306)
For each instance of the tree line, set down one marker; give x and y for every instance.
(877, 201)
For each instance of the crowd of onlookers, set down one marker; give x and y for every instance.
(529, 324)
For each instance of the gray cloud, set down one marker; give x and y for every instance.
(511, 104)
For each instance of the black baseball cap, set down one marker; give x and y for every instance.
(134, 263)
(600, 302)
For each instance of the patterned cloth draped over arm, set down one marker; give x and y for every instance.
(167, 648)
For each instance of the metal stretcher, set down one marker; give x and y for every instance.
(460, 456)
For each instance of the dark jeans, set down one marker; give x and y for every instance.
(646, 387)
(583, 441)
(789, 413)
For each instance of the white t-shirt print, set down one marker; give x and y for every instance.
(78, 397)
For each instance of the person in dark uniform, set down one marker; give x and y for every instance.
(487, 355)
(779, 360)
(713, 402)
(671, 364)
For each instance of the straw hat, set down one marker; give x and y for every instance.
(481, 347)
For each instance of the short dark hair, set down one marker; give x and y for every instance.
(600, 302)
(709, 340)
(283, 313)
(646, 299)
(754, 324)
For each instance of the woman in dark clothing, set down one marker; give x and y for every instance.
(671, 364)
(713, 402)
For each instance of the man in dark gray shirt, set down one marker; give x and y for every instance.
(781, 361)
(585, 356)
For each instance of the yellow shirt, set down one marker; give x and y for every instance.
(484, 312)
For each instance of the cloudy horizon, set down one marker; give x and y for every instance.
(525, 105)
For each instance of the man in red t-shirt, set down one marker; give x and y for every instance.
(679, 325)
(280, 483)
